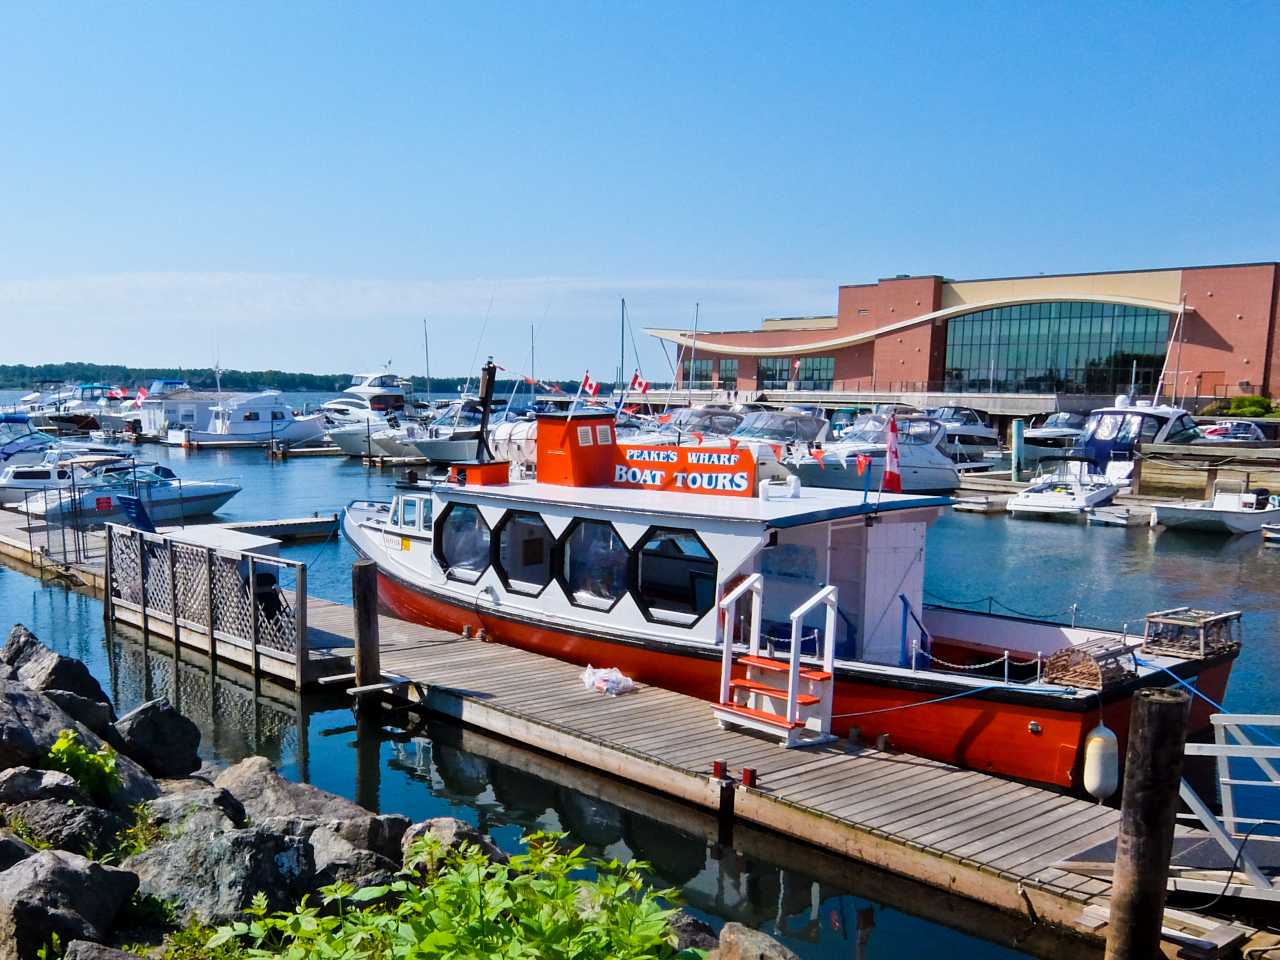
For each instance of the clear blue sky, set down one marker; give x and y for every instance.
(297, 185)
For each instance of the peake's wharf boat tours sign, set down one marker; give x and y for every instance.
(723, 472)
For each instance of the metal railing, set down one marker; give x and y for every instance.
(243, 607)
(829, 596)
(754, 583)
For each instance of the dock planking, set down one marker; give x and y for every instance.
(965, 831)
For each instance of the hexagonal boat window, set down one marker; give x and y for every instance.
(462, 542)
(524, 552)
(594, 569)
(675, 575)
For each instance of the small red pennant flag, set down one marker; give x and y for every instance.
(695, 433)
(531, 381)
(630, 409)
(819, 455)
(733, 443)
(863, 462)
(777, 451)
(665, 418)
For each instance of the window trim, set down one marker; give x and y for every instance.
(522, 588)
(437, 545)
(670, 618)
(562, 546)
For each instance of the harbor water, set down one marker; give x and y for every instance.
(1102, 576)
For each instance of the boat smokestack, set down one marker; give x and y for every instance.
(488, 376)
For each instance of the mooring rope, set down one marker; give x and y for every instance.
(1207, 699)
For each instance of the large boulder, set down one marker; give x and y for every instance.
(54, 892)
(265, 794)
(161, 739)
(29, 726)
(89, 831)
(12, 849)
(95, 715)
(212, 878)
(742, 943)
(201, 809)
(21, 645)
(453, 833)
(20, 784)
(364, 851)
(691, 933)
(46, 670)
(85, 950)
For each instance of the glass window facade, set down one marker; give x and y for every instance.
(698, 374)
(728, 373)
(773, 373)
(1066, 346)
(816, 373)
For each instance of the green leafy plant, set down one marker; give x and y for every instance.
(95, 772)
(142, 833)
(456, 904)
(1250, 406)
(147, 910)
(19, 828)
(51, 950)
(188, 943)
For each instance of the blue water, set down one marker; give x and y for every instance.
(1037, 568)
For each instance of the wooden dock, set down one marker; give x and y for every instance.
(970, 834)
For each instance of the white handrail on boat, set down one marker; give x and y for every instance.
(827, 595)
(754, 583)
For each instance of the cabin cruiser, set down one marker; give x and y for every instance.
(1064, 488)
(1113, 435)
(383, 392)
(678, 566)
(255, 419)
(89, 493)
(688, 424)
(355, 438)
(1233, 509)
(1057, 434)
(452, 436)
(84, 408)
(19, 443)
(1231, 431)
(969, 437)
(856, 461)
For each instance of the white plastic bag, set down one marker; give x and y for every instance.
(610, 682)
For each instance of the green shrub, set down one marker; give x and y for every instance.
(139, 835)
(453, 905)
(1250, 406)
(18, 827)
(1215, 408)
(95, 772)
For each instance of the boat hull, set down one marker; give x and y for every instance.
(915, 479)
(1205, 520)
(1028, 737)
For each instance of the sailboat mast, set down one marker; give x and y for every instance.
(622, 343)
(533, 370)
(426, 356)
(693, 352)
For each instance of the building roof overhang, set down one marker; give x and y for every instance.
(685, 338)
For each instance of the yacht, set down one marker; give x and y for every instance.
(81, 408)
(1057, 434)
(19, 443)
(683, 569)
(1234, 509)
(453, 436)
(686, 424)
(383, 392)
(90, 493)
(856, 461)
(1112, 435)
(1065, 488)
(256, 419)
(1232, 431)
(970, 438)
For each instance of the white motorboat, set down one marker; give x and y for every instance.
(1054, 436)
(256, 419)
(1234, 509)
(19, 443)
(382, 392)
(1069, 491)
(687, 424)
(1271, 534)
(90, 494)
(1232, 431)
(452, 437)
(1113, 435)
(969, 437)
(923, 464)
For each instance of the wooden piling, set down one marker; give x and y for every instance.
(1149, 804)
(364, 593)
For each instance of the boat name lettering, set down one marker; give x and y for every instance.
(648, 478)
(652, 456)
(728, 482)
(706, 458)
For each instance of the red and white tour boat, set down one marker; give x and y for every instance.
(648, 558)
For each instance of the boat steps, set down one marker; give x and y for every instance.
(781, 666)
(764, 689)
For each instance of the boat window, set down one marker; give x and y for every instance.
(409, 514)
(31, 474)
(1106, 425)
(277, 415)
(251, 415)
(524, 552)
(64, 474)
(1183, 430)
(462, 542)
(675, 574)
(595, 565)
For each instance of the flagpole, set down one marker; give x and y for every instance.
(581, 383)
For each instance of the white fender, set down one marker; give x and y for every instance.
(1101, 762)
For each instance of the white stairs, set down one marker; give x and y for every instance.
(782, 698)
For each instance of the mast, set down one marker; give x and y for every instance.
(533, 373)
(622, 343)
(693, 352)
(426, 355)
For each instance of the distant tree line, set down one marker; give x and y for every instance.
(22, 376)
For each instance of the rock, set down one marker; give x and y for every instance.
(264, 793)
(20, 784)
(98, 717)
(86, 830)
(213, 877)
(742, 943)
(52, 671)
(21, 646)
(12, 849)
(29, 726)
(692, 933)
(84, 950)
(53, 892)
(161, 739)
(204, 808)
(363, 850)
(453, 833)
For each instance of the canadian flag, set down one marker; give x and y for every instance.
(589, 386)
(638, 384)
(117, 393)
(892, 480)
(136, 402)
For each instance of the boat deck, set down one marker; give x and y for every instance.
(970, 833)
